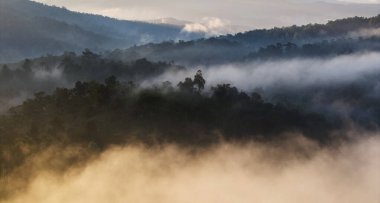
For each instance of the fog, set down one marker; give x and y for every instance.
(297, 72)
(54, 72)
(344, 87)
(286, 169)
(365, 33)
(292, 170)
(15, 90)
(280, 115)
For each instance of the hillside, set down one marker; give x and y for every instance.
(346, 37)
(31, 29)
(229, 48)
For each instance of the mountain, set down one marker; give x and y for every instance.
(31, 29)
(228, 48)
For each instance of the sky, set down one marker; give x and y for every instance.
(227, 14)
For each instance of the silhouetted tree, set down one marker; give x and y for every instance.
(199, 81)
(224, 92)
(187, 85)
(27, 66)
(256, 97)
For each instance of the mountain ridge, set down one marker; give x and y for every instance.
(22, 18)
(229, 47)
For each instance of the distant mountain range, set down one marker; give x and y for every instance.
(31, 29)
(346, 35)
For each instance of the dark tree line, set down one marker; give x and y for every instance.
(320, 49)
(46, 73)
(86, 66)
(115, 113)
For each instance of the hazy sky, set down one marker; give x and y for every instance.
(248, 13)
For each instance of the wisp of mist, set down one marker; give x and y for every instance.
(297, 72)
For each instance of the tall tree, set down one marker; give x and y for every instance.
(199, 81)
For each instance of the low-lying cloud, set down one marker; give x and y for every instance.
(296, 72)
(365, 33)
(297, 172)
(54, 72)
(210, 26)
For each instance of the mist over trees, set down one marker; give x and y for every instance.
(93, 98)
(23, 79)
(335, 36)
(112, 113)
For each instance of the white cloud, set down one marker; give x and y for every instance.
(210, 26)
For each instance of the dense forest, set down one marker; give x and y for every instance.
(112, 113)
(46, 73)
(97, 115)
(155, 86)
(316, 50)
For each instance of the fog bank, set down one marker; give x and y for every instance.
(296, 172)
(297, 72)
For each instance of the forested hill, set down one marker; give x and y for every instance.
(31, 29)
(235, 47)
